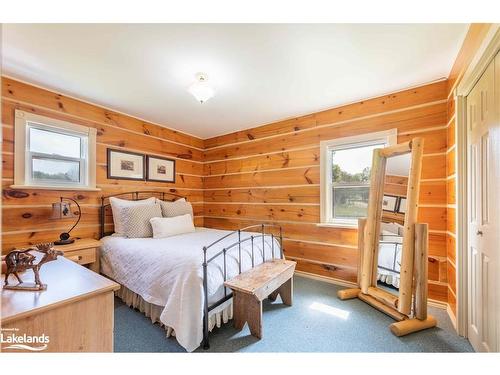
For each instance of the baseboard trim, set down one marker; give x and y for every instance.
(438, 304)
(452, 316)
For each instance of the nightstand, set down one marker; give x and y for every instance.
(84, 251)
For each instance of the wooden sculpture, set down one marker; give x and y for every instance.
(21, 260)
(413, 273)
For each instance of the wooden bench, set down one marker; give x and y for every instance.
(250, 288)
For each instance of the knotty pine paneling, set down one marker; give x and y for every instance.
(437, 244)
(297, 231)
(272, 173)
(25, 213)
(451, 247)
(114, 136)
(47, 100)
(451, 191)
(431, 192)
(289, 177)
(451, 130)
(299, 214)
(438, 291)
(452, 277)
(301, 194)
(450, 162)
(430, 116)
(433, 165)
(326, 270)
(325, 254)
(28, 197)
(391, 102)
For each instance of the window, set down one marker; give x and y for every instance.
(345, 176)
(54, 154)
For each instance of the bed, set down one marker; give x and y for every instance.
(389, 255)
(178, 281)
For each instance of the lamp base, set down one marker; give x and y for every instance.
(64, 242)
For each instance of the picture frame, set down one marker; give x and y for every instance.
(160, 169)
(389, 203)
(125, 165)
(402, 205)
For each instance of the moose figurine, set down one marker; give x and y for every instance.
(22, 260)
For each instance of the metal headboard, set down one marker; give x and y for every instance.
(133, 196)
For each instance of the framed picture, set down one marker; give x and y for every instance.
(125, 165)
(402, 205)
(389, 203)
(160, 169)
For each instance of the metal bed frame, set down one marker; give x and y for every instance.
(227, 296)
(395, 253)
(137, 195)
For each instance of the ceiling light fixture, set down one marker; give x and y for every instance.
(201, 90)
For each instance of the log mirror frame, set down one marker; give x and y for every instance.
(372, 229)
(413, 274)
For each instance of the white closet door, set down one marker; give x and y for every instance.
(483, 217)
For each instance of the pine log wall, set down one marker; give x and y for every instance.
(25, 213)
(271, 173)
(470, 46)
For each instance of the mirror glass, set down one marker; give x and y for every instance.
(392, 222)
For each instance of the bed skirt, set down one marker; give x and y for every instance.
(389, 279)
(222, 314)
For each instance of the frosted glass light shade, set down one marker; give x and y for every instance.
(201, 90)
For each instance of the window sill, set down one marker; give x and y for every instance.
(338, 225)
(54, 187)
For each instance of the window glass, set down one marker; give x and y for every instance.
(53, 143)
(350, 202)
(55, 170)
(350, 180)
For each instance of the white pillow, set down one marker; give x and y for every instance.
(171, 226)
(117, 206)
(176, 208)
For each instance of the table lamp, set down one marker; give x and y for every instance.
(62, 210)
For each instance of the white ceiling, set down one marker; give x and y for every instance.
(261, 72)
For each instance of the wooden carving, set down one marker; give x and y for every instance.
(22, 260)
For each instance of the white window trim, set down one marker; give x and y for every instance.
(20, 151)
(389, 137)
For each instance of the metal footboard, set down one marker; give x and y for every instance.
(252, 239)
(395, 262)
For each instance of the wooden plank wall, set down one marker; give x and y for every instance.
(271, 173)
(470, 46)
(25, 212)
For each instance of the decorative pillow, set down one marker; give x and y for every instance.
(177, 208)
(136, 222)
(171, 226)
(117, 206)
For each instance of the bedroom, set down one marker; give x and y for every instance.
(202, 187)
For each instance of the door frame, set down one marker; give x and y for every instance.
(485, 54)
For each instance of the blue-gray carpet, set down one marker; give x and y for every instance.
(317, 322)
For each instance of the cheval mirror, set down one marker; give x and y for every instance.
(392, 245)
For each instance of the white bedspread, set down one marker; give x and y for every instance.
(168, 272)
(389, 257)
